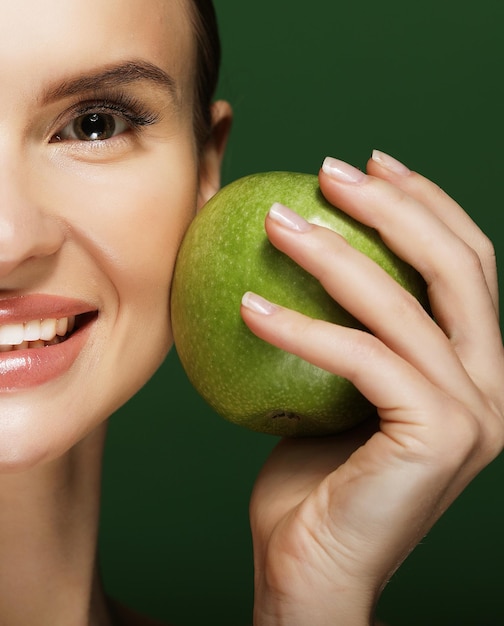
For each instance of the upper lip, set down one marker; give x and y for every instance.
(17, 309)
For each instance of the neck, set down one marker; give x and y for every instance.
(48, 535)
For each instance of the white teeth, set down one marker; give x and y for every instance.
(31, 330)
(11, 334)
(47, 330)
(62, 326)
(71, 323)
(34, 332)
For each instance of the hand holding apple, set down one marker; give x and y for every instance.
(226, 253)
(333, 517)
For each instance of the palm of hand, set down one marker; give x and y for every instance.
(333, 518)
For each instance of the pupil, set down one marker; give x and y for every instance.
(95, 126)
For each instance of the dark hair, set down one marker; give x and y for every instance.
(208, 57)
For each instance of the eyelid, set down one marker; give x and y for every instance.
(135, 113)
(130, 110)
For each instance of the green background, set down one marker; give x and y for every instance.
(424, 82)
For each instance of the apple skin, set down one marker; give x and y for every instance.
(224, 254)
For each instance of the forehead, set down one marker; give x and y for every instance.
(41, 39)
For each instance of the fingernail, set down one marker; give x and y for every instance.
(385, 160)
(258, 304)
(286, 217)
(342, 171)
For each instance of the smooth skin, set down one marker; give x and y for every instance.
(100, 220)
(332, 519)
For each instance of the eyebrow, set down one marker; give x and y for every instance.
(110, 77)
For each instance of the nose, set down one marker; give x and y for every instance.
(27, 231)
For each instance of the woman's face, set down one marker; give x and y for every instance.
(98, 182)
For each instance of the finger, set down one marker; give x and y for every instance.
(458, 292)
(353, 354)
(441, 204)
(368, 293)
(420, 423)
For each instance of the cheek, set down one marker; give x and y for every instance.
(130, 227)
(142, 244)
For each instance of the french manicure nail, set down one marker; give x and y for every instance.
(288, 218)
(342, 171)
(385, 160)
(258, 304)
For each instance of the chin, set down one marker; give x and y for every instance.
(17, 457)
(28, 444)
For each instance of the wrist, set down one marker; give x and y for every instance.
(344, 606)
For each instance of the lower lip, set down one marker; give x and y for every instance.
(22, 369)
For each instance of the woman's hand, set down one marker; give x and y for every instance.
(333, 518)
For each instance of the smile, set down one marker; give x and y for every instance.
(35, 334)
(42, 349)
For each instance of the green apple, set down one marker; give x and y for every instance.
(226, 252)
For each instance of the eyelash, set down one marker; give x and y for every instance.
(127, 108)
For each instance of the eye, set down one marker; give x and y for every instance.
(93, 126)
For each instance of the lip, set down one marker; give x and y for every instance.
(40, 306)
(22, 369)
